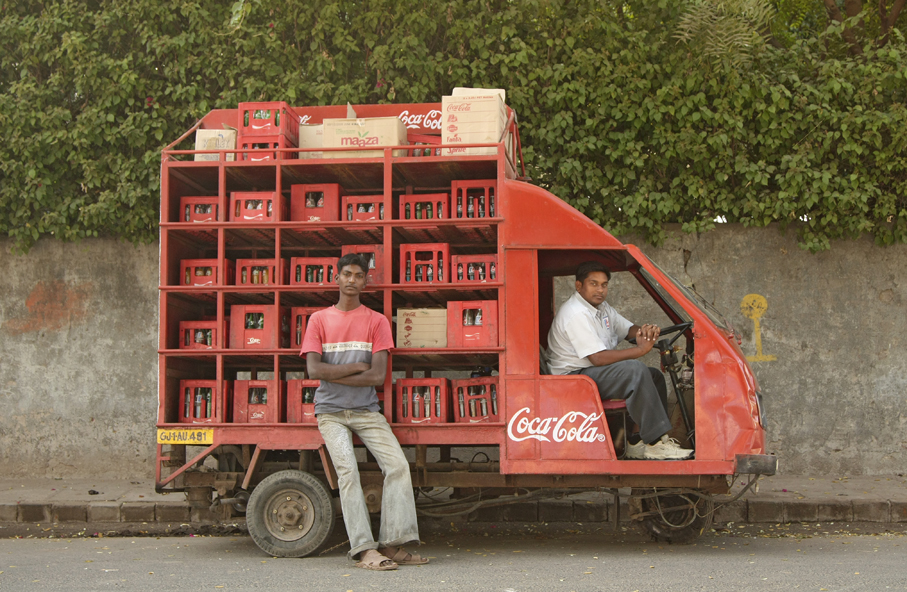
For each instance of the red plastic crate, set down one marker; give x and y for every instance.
(424, 263)
(427, 206)
(315, 203)
(474, 199)
(265, 272)
(206, 272)
(259, 326)
(362, 208)
(299, 318)
(259, 401)
(411, 406)
(201, 334)
(475, 400)
(301, 401)
(266, 148)
(201, 401)
(312, 271)
(268, 119)
(469, 269)
(374, 256)
(197, 208)
(257, 206)
(472, 323)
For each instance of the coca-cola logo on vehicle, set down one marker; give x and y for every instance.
(430, 120)
(560, 429)
(254, 341)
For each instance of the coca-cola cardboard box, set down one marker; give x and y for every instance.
(369, 132)
(421, 327)
(473, 119)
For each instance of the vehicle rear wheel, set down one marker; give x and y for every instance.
(290, 514)
(672, 518)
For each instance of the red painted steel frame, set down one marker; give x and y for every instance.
(549, 425)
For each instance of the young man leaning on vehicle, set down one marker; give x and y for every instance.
(346, 347)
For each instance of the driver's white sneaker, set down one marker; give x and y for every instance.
(667, 449)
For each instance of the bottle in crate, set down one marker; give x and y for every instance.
(301, 401)
(475, 268)
(315, 202)
(198, 209)
(362, 208)
(424, 263)
(259, 401)
(476, 400)
(374, 257)
(265, 272)
(257, 206)
(206, 272)
(313, 270)
(428, 206)
(259, 326)
(472, 323)
(475, 199)
(201, 401)
(422, 400)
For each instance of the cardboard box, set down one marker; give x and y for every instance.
(311, 136)
(215, 139)
(472, 119)
(421, 327)
(461, 91)
(370, 132)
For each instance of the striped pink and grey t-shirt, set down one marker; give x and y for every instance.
(346, 337)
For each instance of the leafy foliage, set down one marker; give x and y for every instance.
(616, 115)
(726, 29)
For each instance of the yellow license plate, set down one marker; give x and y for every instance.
(185, 436)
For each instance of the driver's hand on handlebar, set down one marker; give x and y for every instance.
(646, 336)
(648, 332)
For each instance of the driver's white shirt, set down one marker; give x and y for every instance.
(579, 330)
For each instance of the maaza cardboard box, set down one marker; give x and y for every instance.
(422, 327)
(215, 139)
(368, 132)
(311, 136)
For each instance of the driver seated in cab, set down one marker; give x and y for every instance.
(582, 340)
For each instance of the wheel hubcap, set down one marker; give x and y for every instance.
(289, 515)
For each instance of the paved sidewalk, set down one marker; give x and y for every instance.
(66, 507)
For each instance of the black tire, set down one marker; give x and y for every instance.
(673, 518)
(290, 514)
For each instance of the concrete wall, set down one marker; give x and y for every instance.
(78, 349)
(78, 360)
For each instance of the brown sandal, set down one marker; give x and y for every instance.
(403, 557)
(375, 561)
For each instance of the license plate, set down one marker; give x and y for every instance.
(185, 436)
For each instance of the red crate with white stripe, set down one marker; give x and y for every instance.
(301, 401)
(475, 400)
(201, 401)
(259, 401)
(422, 400)
(259, 326)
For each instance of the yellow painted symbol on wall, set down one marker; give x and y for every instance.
(753, 306)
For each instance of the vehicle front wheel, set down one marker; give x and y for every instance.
(671, 518)
(290, 514)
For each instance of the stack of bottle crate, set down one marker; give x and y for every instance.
(267, 126)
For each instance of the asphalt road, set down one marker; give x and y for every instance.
(514, 559)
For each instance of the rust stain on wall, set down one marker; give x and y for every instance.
(52, 306)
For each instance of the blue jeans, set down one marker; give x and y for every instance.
(398, 505)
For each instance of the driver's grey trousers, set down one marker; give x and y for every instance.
(644, 389)
(398, 505)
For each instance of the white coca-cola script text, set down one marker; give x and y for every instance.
(560, 429)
